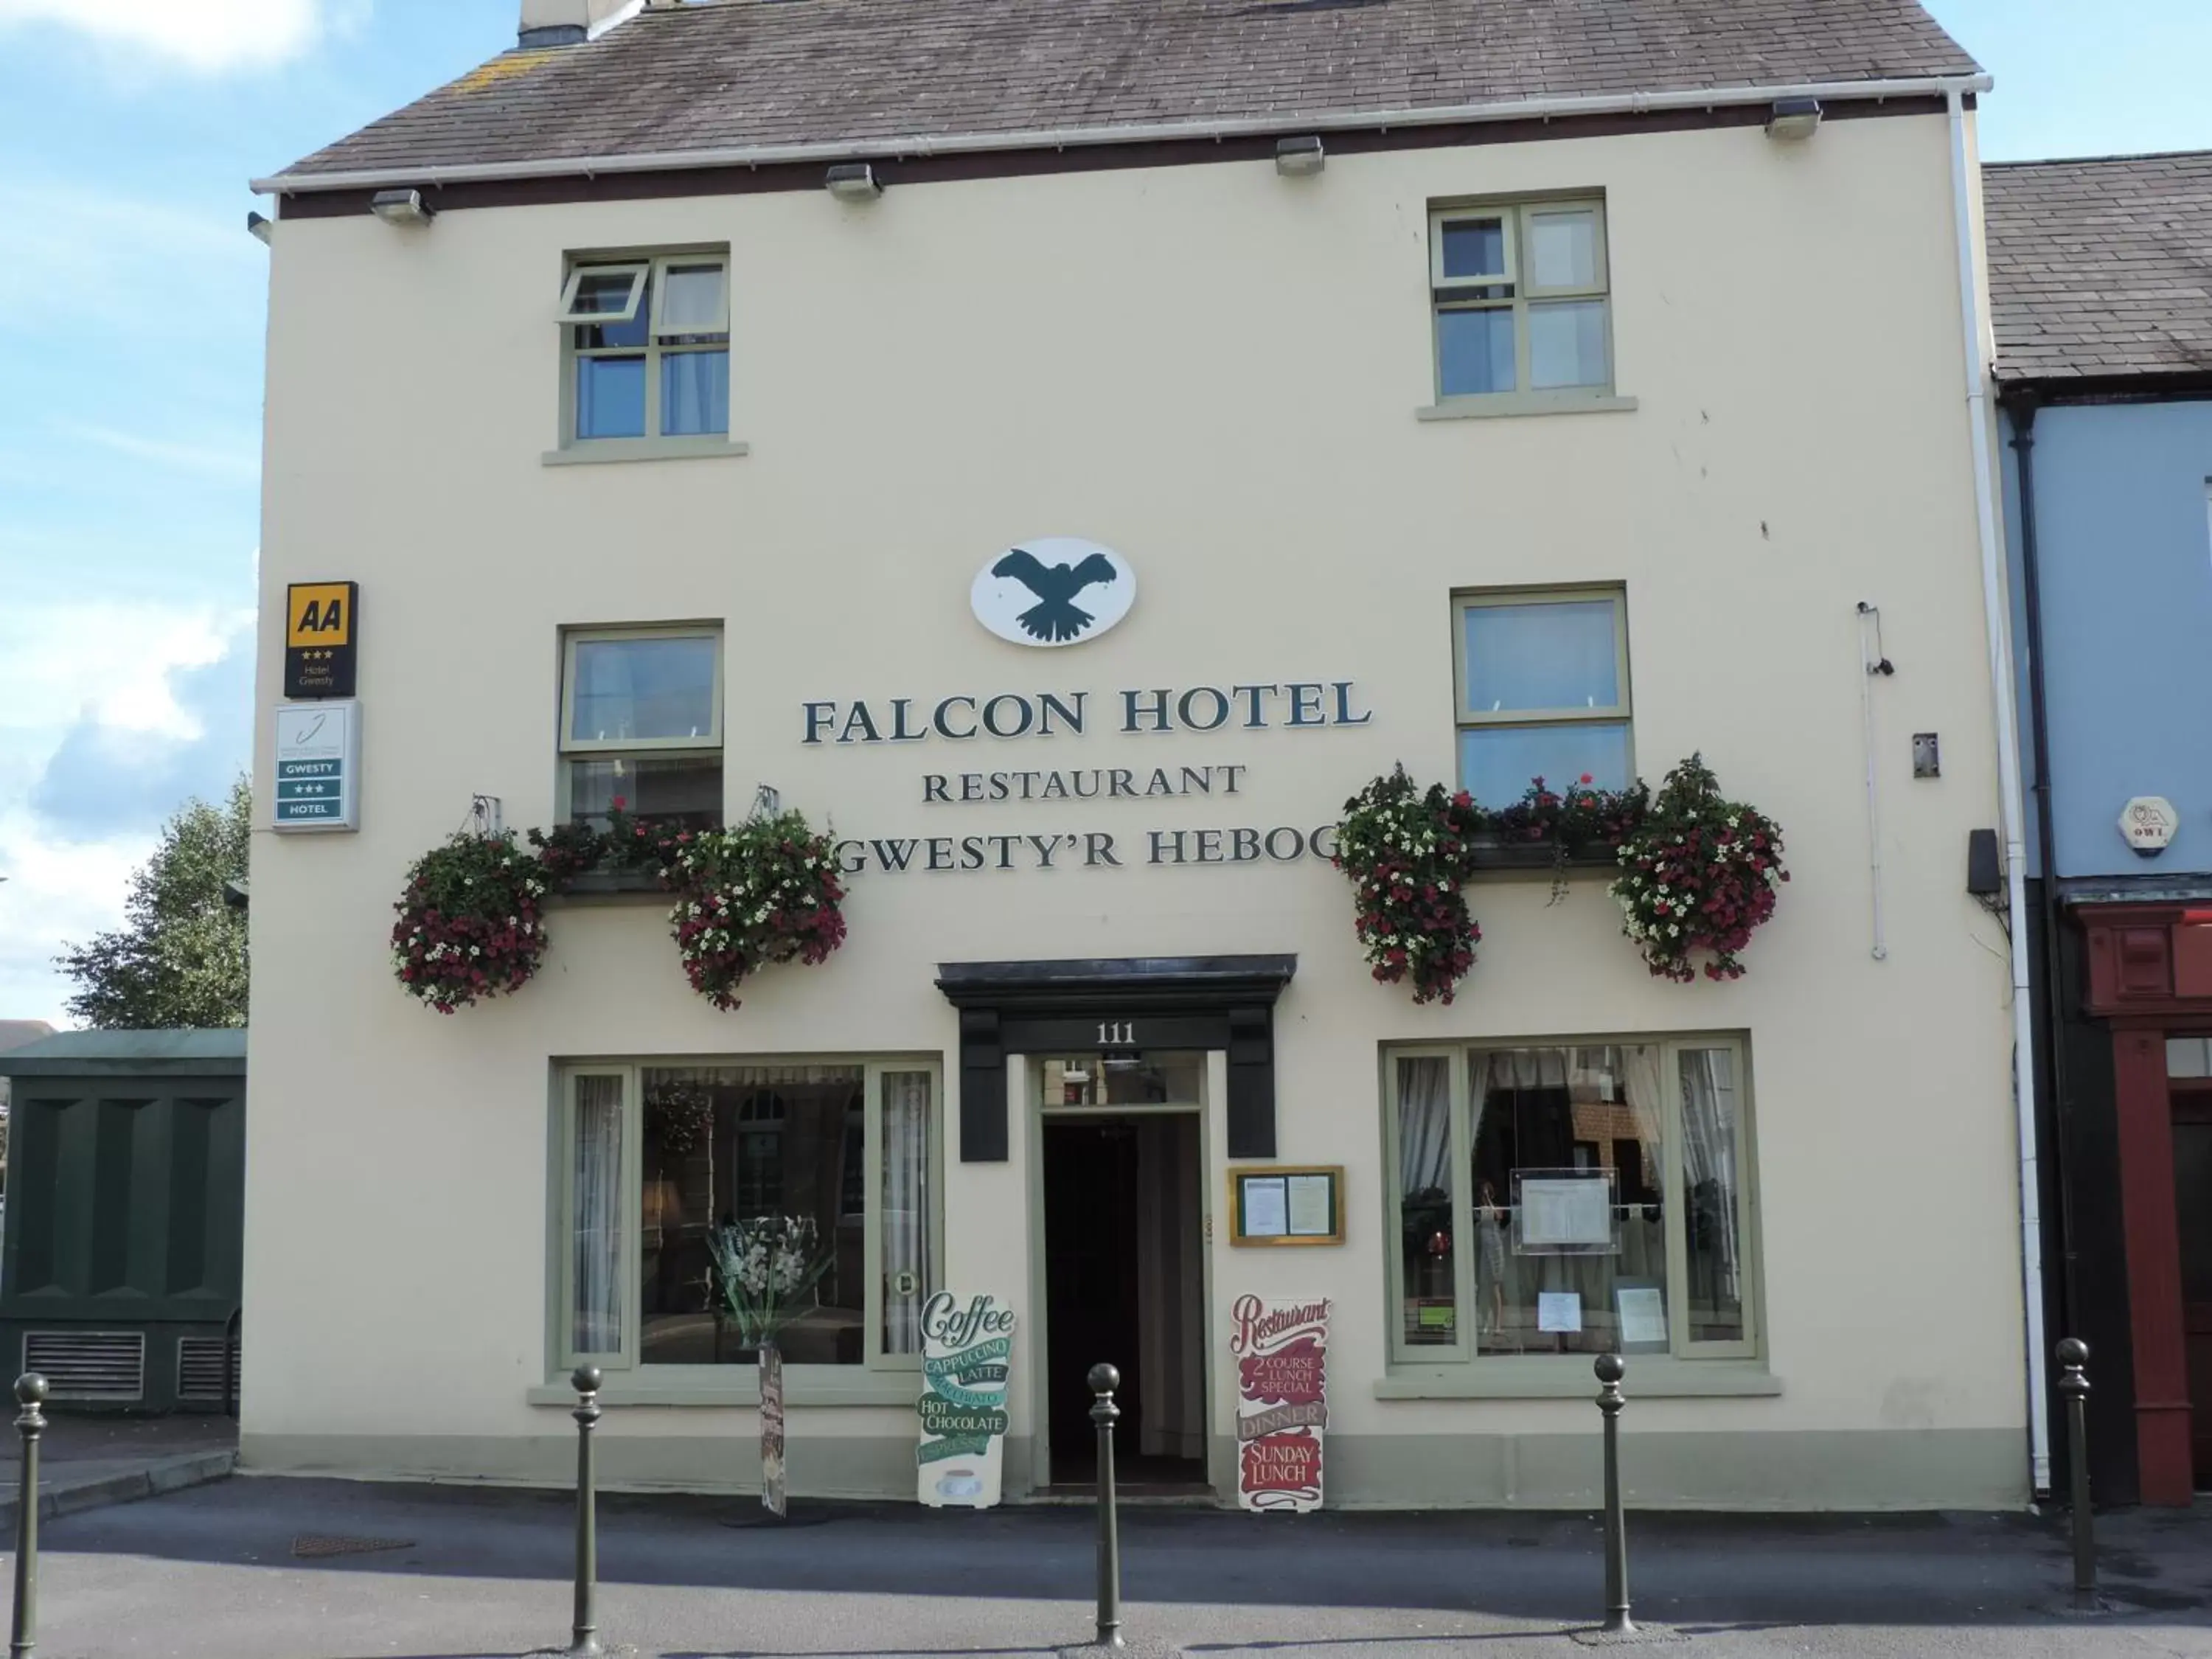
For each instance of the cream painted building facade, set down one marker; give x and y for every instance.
(1229, 378)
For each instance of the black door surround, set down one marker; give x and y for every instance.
(1135, 1002)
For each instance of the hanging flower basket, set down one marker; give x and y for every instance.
(469, 921)
(1407, 851)
(1698, 875)
(763, 891)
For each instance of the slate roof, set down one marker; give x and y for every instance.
(861, 74)
(2101, 267)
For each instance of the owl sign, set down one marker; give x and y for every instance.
(1056, 590)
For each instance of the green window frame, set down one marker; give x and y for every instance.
(580, 1092)
(1620, 712)
(1459, 1058)
(665, 338)
(699, 747)
(1515, 288)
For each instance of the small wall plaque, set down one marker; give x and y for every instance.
(318, 767)
(322, 631)
(2149, 823)
(1287, 1205)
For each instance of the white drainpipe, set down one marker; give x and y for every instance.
(1997, 622)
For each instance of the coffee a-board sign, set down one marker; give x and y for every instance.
(967, 1352)
(1281, 1350)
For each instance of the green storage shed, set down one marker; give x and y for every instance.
(119, 1258)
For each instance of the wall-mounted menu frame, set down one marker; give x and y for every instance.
(1286, 1204)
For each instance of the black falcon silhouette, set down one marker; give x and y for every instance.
(1053, 617)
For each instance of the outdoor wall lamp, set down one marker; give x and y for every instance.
(1794, 119)
(257, 226)
(853, 181)
(401, 207)
(1300, 158)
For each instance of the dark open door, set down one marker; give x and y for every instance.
(2192, 1193)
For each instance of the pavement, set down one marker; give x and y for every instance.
(86, 1462)
(268, 1568)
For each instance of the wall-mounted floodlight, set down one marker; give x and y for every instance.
(1794, 119)
(257, 226)
(853, 181)
(1300, 158)
(401, 207)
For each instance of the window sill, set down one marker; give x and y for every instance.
(591, 451)
(611, 884)
(803, 1385)
(1652, 1378)
(1538, 855)
(1501, 404)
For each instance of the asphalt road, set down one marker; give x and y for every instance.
(460, 1572)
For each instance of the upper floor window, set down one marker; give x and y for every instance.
(1519, 291)
(641, 723)
(1543, 690)
(647, 349)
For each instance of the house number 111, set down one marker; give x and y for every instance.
(1123, 1036)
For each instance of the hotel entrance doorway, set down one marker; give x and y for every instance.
(1125, 1270)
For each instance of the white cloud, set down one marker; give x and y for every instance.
(238, 461)
(108, 661)
(110, 714)
(95, 263)
(205, 35)
(58, 893)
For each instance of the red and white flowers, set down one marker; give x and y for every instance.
(766, 891)
(1407, 852)
(1696, 876)
(469, 921)
(1698, 872)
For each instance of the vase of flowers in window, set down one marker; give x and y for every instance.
(763, 1274)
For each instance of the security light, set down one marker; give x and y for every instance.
(1300, 158)
(257, 226)
(401, 207)
(1794, 119)
(853, 181)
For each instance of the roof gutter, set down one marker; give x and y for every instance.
(1244, 127)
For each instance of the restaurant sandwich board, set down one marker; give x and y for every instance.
(967, 1354)
(1281, 1350)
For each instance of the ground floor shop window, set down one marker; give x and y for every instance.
(672, 1172)
(1574, 1198)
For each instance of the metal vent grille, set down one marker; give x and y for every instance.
(89, 1364)
(199, 1368)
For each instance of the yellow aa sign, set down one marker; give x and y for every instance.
(320, 614)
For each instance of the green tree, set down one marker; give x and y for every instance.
(179, 956)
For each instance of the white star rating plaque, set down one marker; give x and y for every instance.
(318, 766)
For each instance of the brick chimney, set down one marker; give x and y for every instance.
(565, 23)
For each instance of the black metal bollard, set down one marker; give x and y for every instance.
(586, 1629)
(1610, 1368)
(23, 1633)
(2074, 1383)
(1103, 1380)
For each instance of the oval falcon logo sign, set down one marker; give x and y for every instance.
(1056, 590)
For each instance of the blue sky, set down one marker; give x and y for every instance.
(130, 332)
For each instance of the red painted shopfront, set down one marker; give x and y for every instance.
(2150, 980)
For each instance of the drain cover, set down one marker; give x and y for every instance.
(310, 1546)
